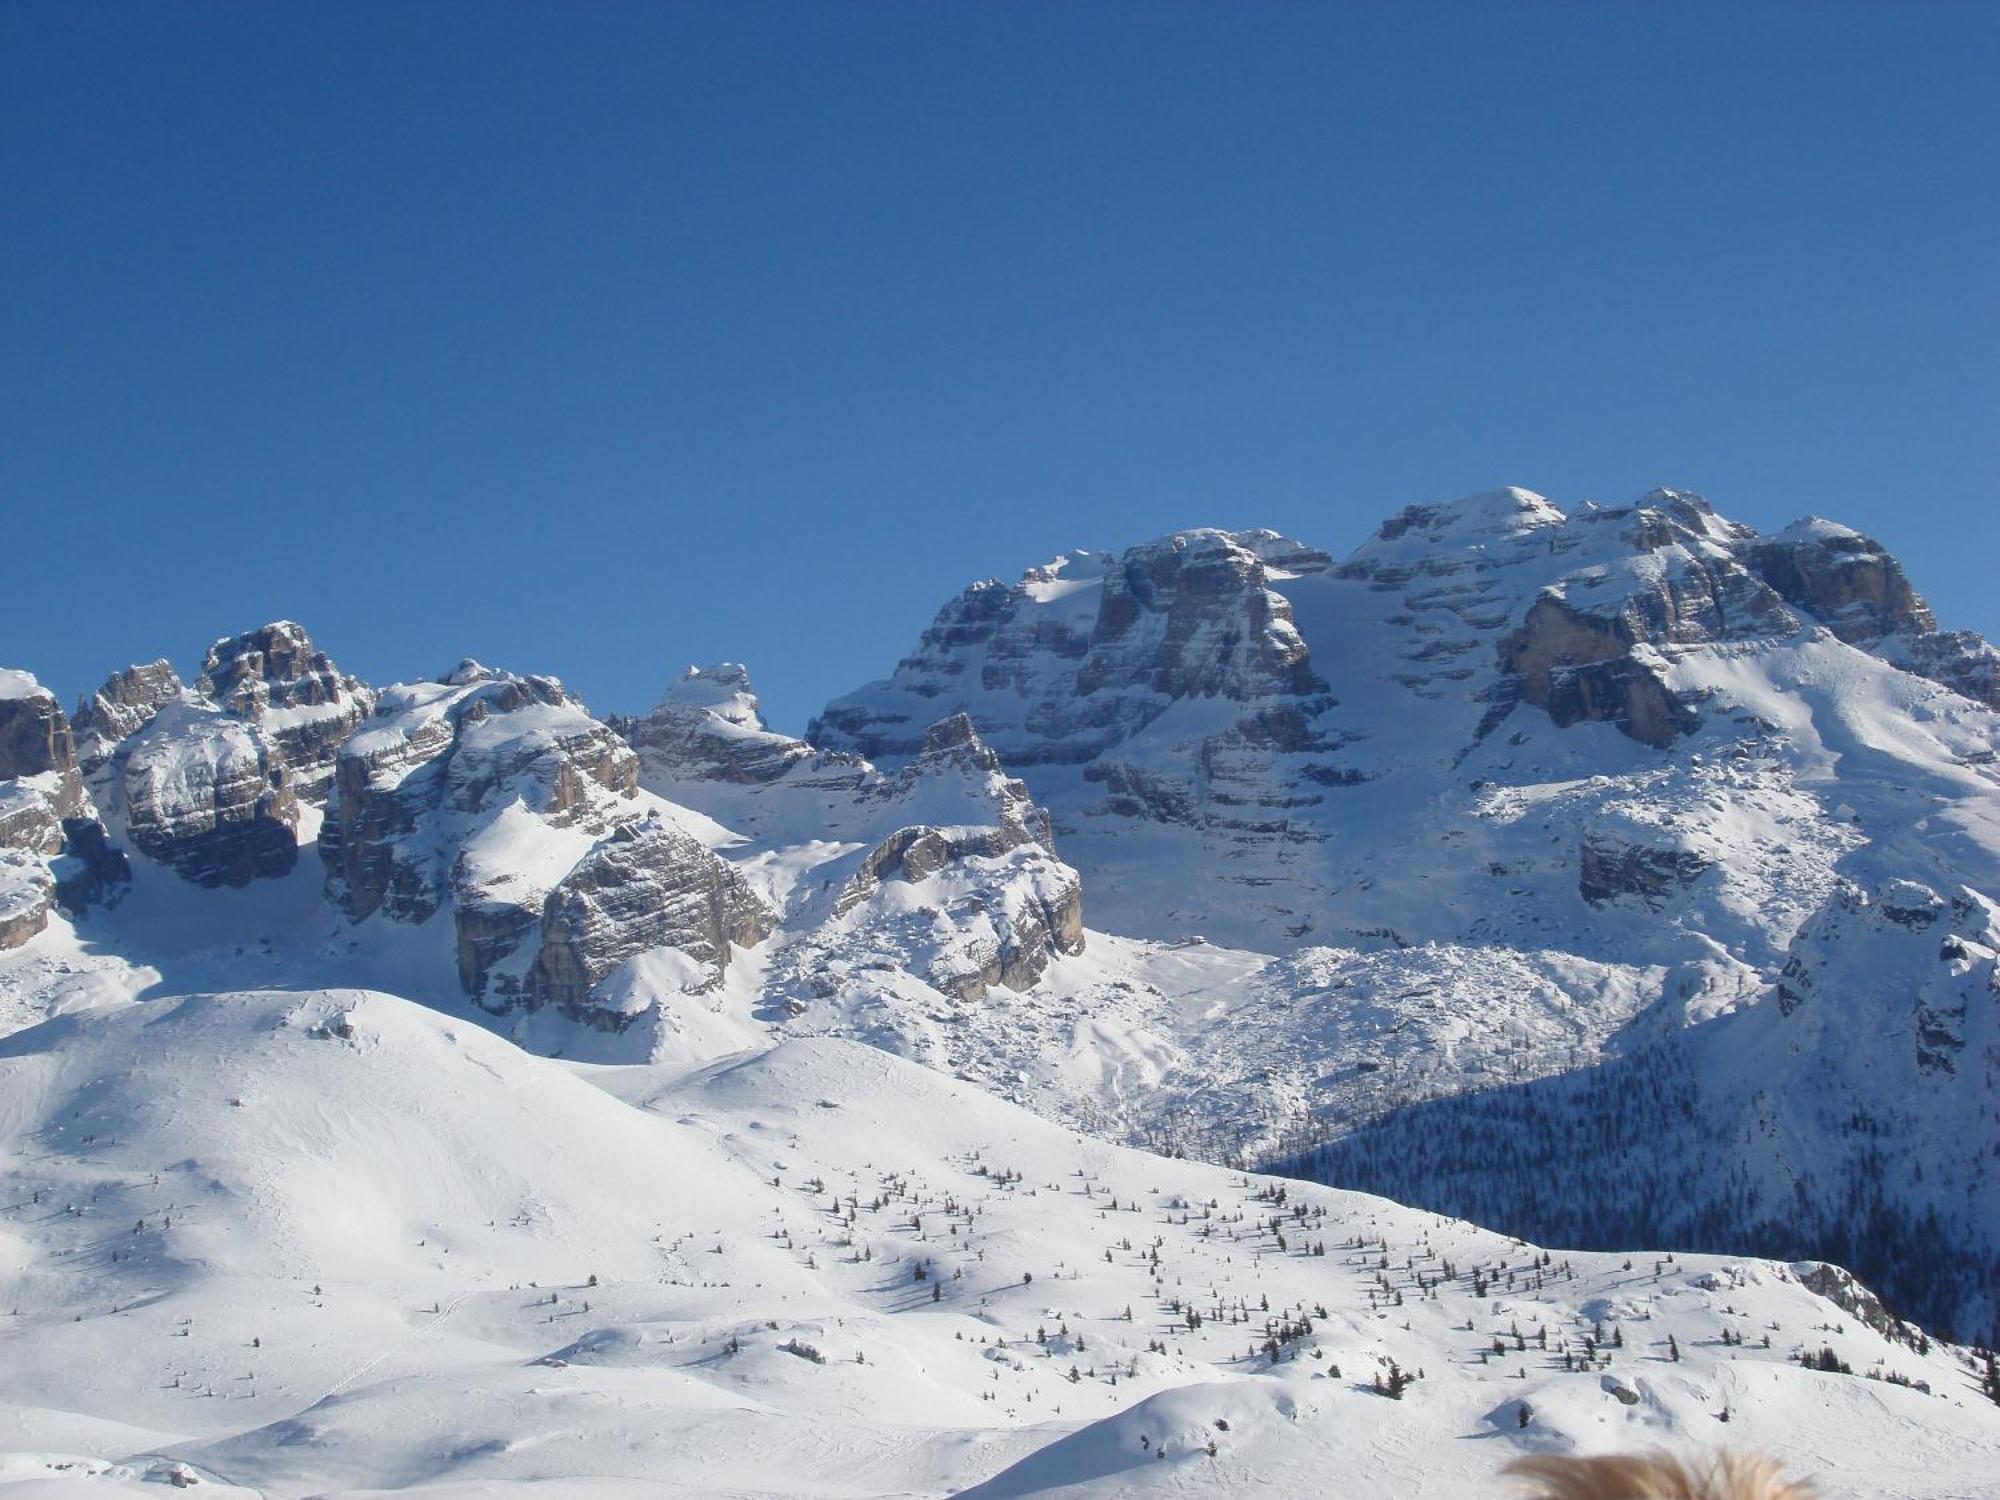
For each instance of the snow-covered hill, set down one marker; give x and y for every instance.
(332, 1242)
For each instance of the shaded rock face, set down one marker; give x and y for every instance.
(1844, 580)
(644, 887)
(53, 851)
(197, 792)
(1579, 670)
(1850, 584)
(121, 708)
(1194, 617)
(1926, 966)
(1961, 660)
(35, 735)
(1607, 871)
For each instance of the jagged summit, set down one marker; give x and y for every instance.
(722, 688)
(1507, 512)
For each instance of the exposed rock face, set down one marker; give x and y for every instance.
(709, 726)
(209, 781)
(942, 873)
(1610, 870)
(453, 754)
(1270, 719)
(197, 792)
(1844, 580)
(1579, 670)
(305, 707)
(1961, 660)
(52, 849)
(1850, 584)
(499, 798)
(644, 887)
(35, 736)
(1086, 651)
(121, 708)
(971, 896)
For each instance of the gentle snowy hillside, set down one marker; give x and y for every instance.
(333, 1242)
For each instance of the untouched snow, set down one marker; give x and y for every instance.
(222, 1244)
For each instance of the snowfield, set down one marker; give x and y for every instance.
(335, 1242)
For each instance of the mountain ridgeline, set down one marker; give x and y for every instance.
(1614, 876)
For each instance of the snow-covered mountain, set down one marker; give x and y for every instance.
(1613, 878)
(1509, 788)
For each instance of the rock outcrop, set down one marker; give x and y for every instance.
(53, 851)
(645, 887)
(121, 708)
(210, 781)
(959, 886)
(479, 791)
(706, 746)
(709, 727)
(196, 791)
(1608, 870)
(1087, 650)
(1844, 580)
(499, 800)
(303, 706)
(1850, 584)
(1581, 670)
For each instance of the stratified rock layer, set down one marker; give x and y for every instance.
(53, 851)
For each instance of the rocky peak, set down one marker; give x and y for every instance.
(304, 706)
(1846, 581)
(210, 782)
(1850, 584)
(121, 708)
(440, 759)
(274, 666)
(1503, 514)
(1085, 652)
(708, 727)
(956, 739)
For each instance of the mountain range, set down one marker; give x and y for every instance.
(1613, 878)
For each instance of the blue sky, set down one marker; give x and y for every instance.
(604, 339)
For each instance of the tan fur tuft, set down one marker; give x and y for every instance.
(1656, 1476)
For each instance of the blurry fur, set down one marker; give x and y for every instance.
(1656, 1476)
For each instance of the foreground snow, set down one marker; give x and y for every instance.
(335, 1242)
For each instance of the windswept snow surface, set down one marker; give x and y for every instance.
(336, 1243)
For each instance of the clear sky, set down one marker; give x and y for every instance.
(601, 339)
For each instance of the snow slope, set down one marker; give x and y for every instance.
(333, 1242)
